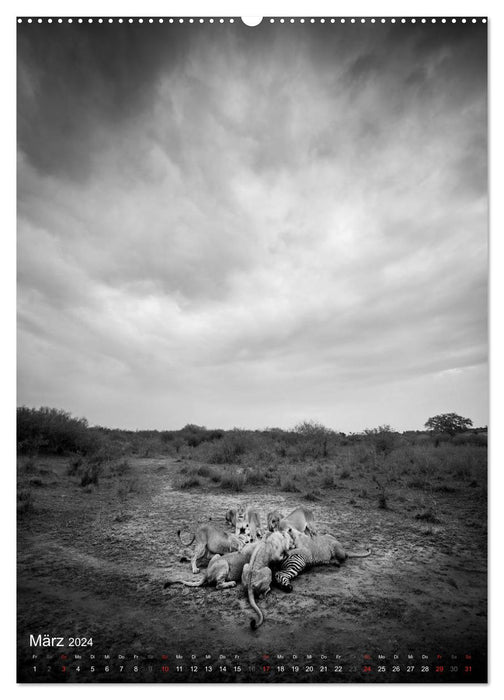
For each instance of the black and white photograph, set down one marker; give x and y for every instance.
(252, 349)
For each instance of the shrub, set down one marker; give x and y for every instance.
(126, 487)
(74, 465)
(416, 483)
(24, 502)
(288, 483)
(281, 449)
(427, 516)
(120, 468)
(312, 439)
(51, 431)
(445, 488)
(328, 480)
(256, 476)
(90, 475)
(462, 473)
(190, 482)
(382, 501)
(229, 449)
(382, 438)
(194, 435)
(102, 453)
(233, 481)
(382, 495)
(476, 439)
(122, 517)
(29, 466)
(204, 470)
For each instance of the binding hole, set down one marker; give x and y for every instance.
(251, 21)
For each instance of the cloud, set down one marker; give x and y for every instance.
(224, 223)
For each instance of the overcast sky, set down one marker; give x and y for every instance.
(250, 227)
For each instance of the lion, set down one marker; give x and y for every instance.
(257, 576)
(211, 540)
(311, 551)
(300, 519)
(246, 521)
(223, 571)
(231, 517)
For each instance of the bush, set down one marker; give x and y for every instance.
(24, 502)
(190, 482)
(74, 465)
(288, 483)
(120, 468)
(232, 481)
(312, 496)
(229, 449)
(445, 488)
(328, 480)
(312, 439)
(29, 466)
(462, 474)
(194, 435)
(204, 470)
(476, 439)
(126, 487)
(91, 474)
(382, 501)
(382, 495)
(382, 438)
(51, 431)
(416, 483)
(256, 476)
(427, 516)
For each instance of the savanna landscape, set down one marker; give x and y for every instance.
(99, 510)
(280, 227)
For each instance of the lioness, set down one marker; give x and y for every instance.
(246, 521)
(311, 551)
(256, 576)
(223, 571)
(300, 519)
(231, 517)
(211, 540)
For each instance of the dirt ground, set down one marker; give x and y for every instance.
(92, 563)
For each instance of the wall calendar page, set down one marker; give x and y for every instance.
(252, 349)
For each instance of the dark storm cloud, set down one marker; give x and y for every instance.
(75, 79)
(256, 225)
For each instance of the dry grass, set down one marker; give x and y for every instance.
(386, 479)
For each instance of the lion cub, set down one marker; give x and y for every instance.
(211, 540)
(300, 519)
(246, 522)
(257, 576)
(223, 571)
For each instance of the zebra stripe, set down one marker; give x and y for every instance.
(291, 567)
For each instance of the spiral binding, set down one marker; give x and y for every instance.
(266, 20)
